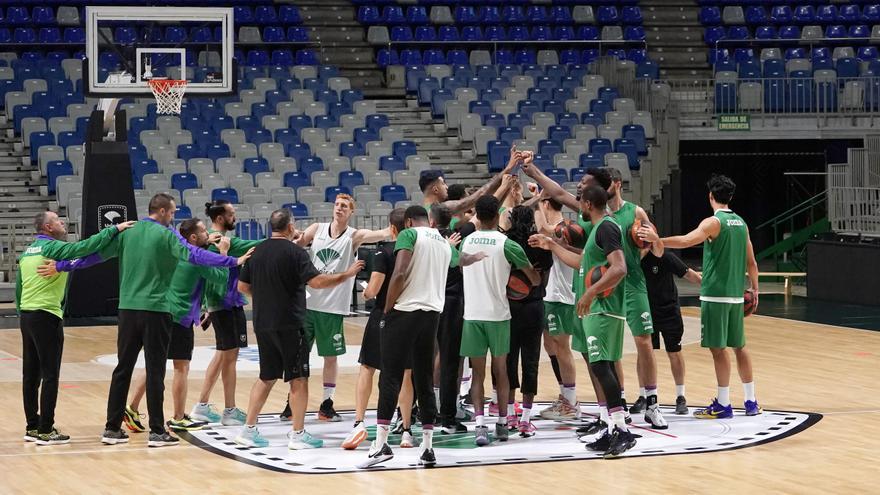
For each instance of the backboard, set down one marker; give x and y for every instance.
(128, 46)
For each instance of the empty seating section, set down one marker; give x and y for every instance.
(793, 56)
(564, 113)
(449, 22)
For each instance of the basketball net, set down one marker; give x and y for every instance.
(169, 95)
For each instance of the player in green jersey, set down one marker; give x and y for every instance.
(727, 255)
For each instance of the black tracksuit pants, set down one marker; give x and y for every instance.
(42, 342)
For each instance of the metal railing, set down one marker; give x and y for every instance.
(854, 191)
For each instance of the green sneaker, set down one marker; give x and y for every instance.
(52, 438)
(205, 412)
(132, 420)
(31, 435)
(186, 424)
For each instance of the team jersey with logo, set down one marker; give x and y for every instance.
(223, 294)
(601, 242)
(424, 285)
(332, 255)
(578, 277)
(559, 283)
(485, 282)
(724, 260)
(635, 277)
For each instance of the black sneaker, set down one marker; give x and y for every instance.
(427, 458)
(378, 454)
(52, 438)
(620, 442)
(451, 429)
(111, 437)
(162, 440)
(681, 405)
(501, 432)
(31, 435)
(591, 428)
(638, 406)
(601, 444)
(327, 413)
(285, 414)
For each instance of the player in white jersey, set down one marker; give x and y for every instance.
(487, 311)
(416, 295)
(561, 320)
(333, 249)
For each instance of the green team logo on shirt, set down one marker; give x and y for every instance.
(326, 256)
(551, 322)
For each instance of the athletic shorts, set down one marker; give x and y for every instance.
(604, 337)
(479, 336)
(721, 325)
(560, 318)
(181, 346)
(371, 343)
(325, 331)
(672, 333)
(638, 312)
(283, 354)
(578, 338)
(230, 329)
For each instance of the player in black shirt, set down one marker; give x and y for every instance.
(370, 357)
(276, 277)
(666, 312)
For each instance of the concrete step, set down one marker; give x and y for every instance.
(670, 15)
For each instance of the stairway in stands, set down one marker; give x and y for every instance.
(675, 38)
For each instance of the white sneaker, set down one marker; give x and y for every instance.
(655, 418)
(233, 417)
(303, 440)
(406, 440)
(250, 437)
(205, 412)
(378, 454)
(358, 434)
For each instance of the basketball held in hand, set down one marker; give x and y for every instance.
(593, 276)
(634, 234)
(750, 303)
(572, 233)
(518, 286)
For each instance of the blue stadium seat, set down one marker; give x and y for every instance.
(447, 33)
(416, 15)
(17, 15)
(489, 14)
(391, 163)
(781, 14)
(403, 149)
(867, 53)
(265, 14)
(560, 14)
(425, 33)
(351, 178)
(471, 33)
(607, 14)
(713, 34)
(835, 31)
(710, 16)
(804, 14)
(536, 14)
(847, 67)
(393, 193)
(331, 192)
(600, 146)
(227, 194)
(591, 160)
(309, 164)
(466, 14)
(289, 14)
(765, 33)
(401, 33)
(350, 149)
(513, 14)
(24, 35)
(849, 14)
(557, 175)
(367, 14)
(183, 212)
(859, 31)
(55, 169)
(588, 33)
(256, 166)
(249, 230)
(274, 34)
(628, 148)
(541, 33)
(738, 33)
(175, 34)
(827, 14)
(182, 182)
(755, 14)
(871, 13)
(297, 34)
(509, 134)
(393, 14)
(790, 33)
(298, 210)
(498, 152)
(631, 14)
(636, 134)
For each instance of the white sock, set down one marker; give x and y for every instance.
(526, 415)
(494, 396)
(502, 419)
(480, 420)
(603, 415)
(250, 427)
(642, 392)
(561, 389)
(570, 394)
(427, 438)
(623, 395)
(437, 395)
(749, 391)
(651, 392)
(381, 434)
(619, 420)
(329, 391)
(679, 390)
(724, 396)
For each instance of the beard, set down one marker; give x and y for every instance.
(229, 225)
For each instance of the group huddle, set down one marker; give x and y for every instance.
(471, 272)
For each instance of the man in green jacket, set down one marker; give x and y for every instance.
(148, 256)
(186, 296)
(38, 302)
(226, 310)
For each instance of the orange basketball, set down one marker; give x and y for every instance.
(594, 275)
(634, 235)
(749, 301)
(518, 286)
(572, 233)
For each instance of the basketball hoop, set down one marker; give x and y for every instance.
(169, 95)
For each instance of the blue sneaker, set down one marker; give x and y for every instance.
(752, 408)
(714, 411)
(303, 440)
(233, 417)
(250, 437)
(205, 412)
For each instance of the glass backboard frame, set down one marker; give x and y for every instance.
(94, 14)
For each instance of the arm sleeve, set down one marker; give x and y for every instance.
(79, 263)
(303, 265)
(60, 250)
(456, 257)
(406, 240)
(674, 264)
(515, 255)
(380, 262)
(245, 274)
(197, 256)
(608, 237)
(216, 276)
(237, 247)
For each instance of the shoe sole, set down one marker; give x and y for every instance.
(303, 446)
(483, 444)
(199, 417)
(427, 463)
(614, 455)
(248, 444)
(406, 445)
(232, 423)
(185, 428)
(355, 441)
(113, 441)
(30, 439)
(132, 427)
(681, 412)
(153, 443)
(373, 461)
(52, 442)
(329, 419)
(656, 426)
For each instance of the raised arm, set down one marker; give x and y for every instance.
(326, 280)
(708, 229)
(566, 254)
(60, 250)
(549, 186)
(185, 251)
(307, 236)
(460, 205)
(364, 236)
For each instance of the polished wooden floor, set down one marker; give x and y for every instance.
(799, 366)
